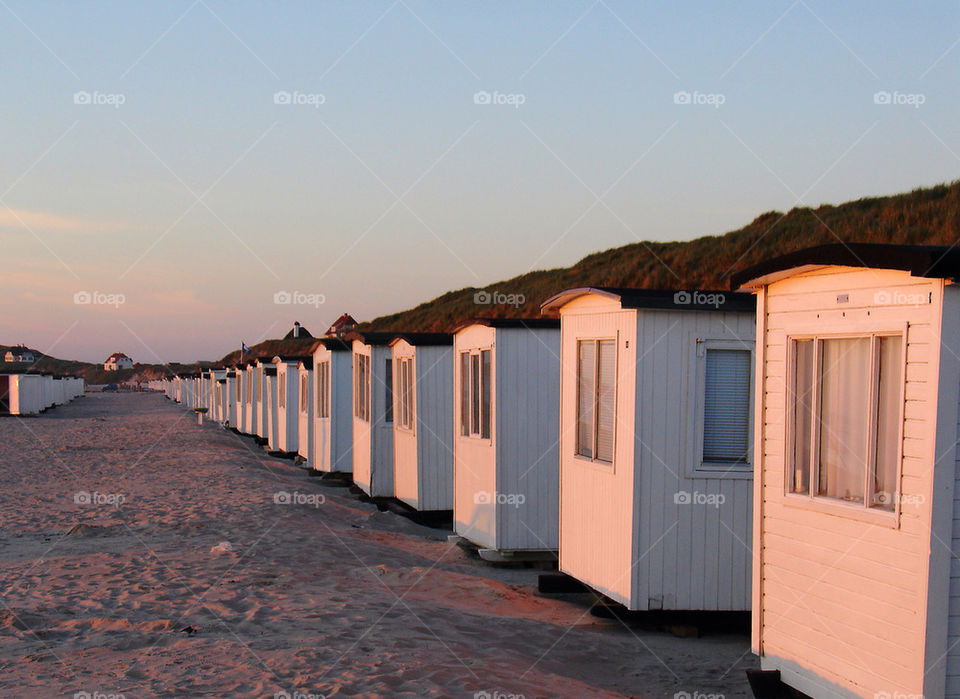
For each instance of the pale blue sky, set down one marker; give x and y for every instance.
(97, 197)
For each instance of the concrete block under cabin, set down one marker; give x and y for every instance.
(423, 420)
(856, 588)
(333, 412)
(372, 413)
(656, 457)
(506, 427)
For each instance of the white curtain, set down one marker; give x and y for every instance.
(844, 418)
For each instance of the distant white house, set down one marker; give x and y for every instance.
(117, 361)
(19, 354)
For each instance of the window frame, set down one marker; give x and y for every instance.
(362, 386)
(473, 398)
(713, 469)
(322, 388)
(404, 394)
(281, 389)
(594, 460)
(811, 500)
(304, 393)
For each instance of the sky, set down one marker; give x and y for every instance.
(179, 177)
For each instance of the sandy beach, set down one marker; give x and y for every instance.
(144, 555)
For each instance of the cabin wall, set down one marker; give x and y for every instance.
(406, 465)
(341, 407)
(433, 405)
(597, 499)
(305, 417)
(692, 527)
(475, 474)
(528, 425)
(841, 598)
(381, 456)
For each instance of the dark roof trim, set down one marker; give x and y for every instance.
(334, 344)
(423, 339)
(931, 261)
(527, 323)
(370, 338)
(659, 299)
(294, 359)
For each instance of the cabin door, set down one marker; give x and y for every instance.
(4, 394)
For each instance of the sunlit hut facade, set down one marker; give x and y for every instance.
(305, 408)
(288, 402)
(655, 447)
(22, 393)
(333, 412)
(266, 402)
(506, 427)
(372, 412)
(251, 389)
(855, 521)
(423, 420)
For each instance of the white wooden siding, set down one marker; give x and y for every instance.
(528, 428)
(433, 383)
(373, 441)
(305, 419)
(333, 435)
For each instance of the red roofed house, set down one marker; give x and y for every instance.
(117, 361)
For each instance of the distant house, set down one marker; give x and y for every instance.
(297, 332)
(19, 354)
(341, 326)
(117, 361)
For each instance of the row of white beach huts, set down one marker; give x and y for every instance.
(30, 393)
(790, 451)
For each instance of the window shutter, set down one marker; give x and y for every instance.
(465, 393)
(726, 409)
(606, 399)
(485, 361)
(586, 395)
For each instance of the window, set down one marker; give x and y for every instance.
(847, 409)
(323, 389)
(247, 393)
(388, 390)
(361, 386)
(237, 381)
(726, 407)
(475, 393)
(405, 406)
(596, 398)
(304, 393)
(282, 391)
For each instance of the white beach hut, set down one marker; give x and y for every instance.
(333, 412)
(423, 420)
(305, 409)
(506, 426)
(239, 422)
(267, 407)
(655, 445)
(229, 397)
(251, 389)
(288, 402)
(21, 393)
(856, 587)
(372, 412)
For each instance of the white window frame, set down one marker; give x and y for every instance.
(698, 369)
(281, 388)
(322, 395)
(304, 393)
(821, 503)
(361, 394)
(467, 381)
(576, 398)
(404, 392)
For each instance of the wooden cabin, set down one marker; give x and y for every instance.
(251, 388)
(423, 420)
(656, 462)
(506, 427)
(372, 413)
(22, 393)
(267, 404)
(288, 402)
(305, 409)
(856, 590)
(333, 412)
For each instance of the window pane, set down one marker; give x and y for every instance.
(366, 388)
(485, 394)
(888, 423)
(411, 396)
(283, 390)
(586, 395)
(303, 393)
(465, 393)
(844, 419)
(606, 399)
(802, 415)
(475, 394)
(726, 406)
(388, 390)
